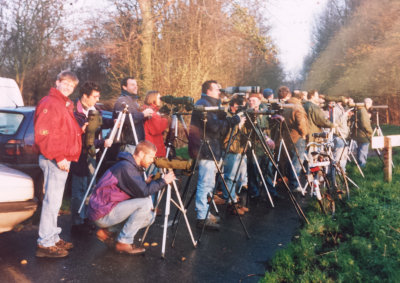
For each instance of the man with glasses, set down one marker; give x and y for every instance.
(123, 195)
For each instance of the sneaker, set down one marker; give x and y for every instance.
(128, 249)
(52, 252)
(64, 245)
(105, 236)
(209, 225)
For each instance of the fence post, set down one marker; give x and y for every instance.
(387, 157)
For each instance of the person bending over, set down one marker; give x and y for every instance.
(122, 194)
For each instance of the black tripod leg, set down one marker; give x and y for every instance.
(269, 154)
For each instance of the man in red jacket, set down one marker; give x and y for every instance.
(58, 138)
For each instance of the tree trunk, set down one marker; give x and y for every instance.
(146, 40)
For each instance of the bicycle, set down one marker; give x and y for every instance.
(327, 179)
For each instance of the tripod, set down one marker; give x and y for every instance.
(283, 144)
(117, 128)
(180, 206)
(270, 156)
(203, 111)
(170, 141)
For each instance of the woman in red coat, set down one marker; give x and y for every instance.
(156, 124)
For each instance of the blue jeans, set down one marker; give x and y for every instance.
(340, 156)
(242, 178)
(340, 152)
(54, 184)
(231, 165)
(137, 213)
(79, 185)
(205, 186)
(362, 153)
(300, 145)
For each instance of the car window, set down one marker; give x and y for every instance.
(10, 122)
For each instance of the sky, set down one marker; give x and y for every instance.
(291, 24)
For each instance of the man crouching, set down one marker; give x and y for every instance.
(122, 194)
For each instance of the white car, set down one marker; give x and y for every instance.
(17, 202)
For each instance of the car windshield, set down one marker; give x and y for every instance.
(10, 122)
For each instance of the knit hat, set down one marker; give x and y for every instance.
(267, 92)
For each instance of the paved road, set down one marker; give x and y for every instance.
(224, 256)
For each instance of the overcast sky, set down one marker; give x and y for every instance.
(291, 22)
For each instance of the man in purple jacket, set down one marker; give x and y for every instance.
(122, 194)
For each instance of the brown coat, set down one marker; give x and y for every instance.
(296, 120)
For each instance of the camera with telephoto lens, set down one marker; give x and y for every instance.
(178, 164)
(263, 111)
(241, 89)
(185, 101)
(94, 123)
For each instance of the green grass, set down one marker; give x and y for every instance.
(362, 243)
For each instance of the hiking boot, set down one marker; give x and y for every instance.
(64, 245)
(52, 252)
(105, 236)
(235, 209)
(218, 200)
(128, 249)
(244, 208)
(209, 225)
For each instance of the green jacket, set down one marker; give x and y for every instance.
(363, 130)
(316, 119)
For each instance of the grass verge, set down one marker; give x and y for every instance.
(362, 242)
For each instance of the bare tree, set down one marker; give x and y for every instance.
(33, 39)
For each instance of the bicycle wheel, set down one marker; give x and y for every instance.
(327, 200)
(341, 186)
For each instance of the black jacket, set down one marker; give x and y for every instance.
(217, 127)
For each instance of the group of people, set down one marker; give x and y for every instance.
(122, 193)
(68, 142)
